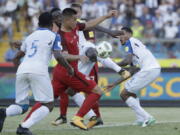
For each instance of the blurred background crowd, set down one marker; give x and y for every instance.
(156, 22)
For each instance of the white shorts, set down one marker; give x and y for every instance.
(141, 79)
(39, 84)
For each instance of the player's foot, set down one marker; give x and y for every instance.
(149, 122)
(78, 122)
(99, 121)
(94, 121)
(60, 120)
(2, 118)
(23, 131)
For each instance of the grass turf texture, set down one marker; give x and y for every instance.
(117, 121)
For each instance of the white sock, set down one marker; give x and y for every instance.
(135, 106)
(139, 118)
(79, 99)
(36, 116)
(14, 110)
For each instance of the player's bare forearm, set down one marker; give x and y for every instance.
(17, 58)
(70, 57)
(62, 61)
(94, 22)
(112, 33)
(126, 61)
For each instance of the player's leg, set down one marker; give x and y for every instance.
(128, 95)
(82, 83)
(43, 93)
(59, 91)
(34, 107)
(79, 98)
(22, 102)
(95, 120)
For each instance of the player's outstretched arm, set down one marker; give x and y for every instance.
(61, 60)
(126, 61)
(113, 33)
(92, 23)
(17, 58)
(70, 57)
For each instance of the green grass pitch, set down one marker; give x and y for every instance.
(117, 121)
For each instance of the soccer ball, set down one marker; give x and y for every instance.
(104, 49)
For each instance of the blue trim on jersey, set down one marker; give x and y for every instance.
(57, 43)
(40, 28)
(128, 44)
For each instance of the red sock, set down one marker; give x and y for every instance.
(96, 109)
(35, 107)
(88, 104)
(63, 105)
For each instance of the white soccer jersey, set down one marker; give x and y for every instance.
(141, 55)
(86, 68)
(38, 51)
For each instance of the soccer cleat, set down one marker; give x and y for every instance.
(23, 131)
(99, 121)
(2, 118)
(149, 122)
(60, 120)
(78, 122)
(94, 121)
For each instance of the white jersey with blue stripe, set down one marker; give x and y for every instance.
(38, 48)
(141, 55)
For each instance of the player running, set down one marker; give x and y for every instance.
(149, 71)
(32, 73)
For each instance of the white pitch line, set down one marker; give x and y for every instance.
(103, 126)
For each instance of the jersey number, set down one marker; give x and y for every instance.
(33, 48)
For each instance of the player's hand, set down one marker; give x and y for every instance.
(112, 13)
(83, 59)
(108, 88)
(71, 71)
(124, 73)
(116, 33)
(17, 44)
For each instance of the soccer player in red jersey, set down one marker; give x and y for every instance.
(69, 34)
(84, 36)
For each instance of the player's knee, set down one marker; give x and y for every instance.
(49, 105)
(98, 90)
(125, 95)
(24, 107)
(70, 92)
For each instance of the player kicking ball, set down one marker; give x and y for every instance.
(32, 73)
(149, 71)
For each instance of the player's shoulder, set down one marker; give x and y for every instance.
(135, 41)
(45, 31)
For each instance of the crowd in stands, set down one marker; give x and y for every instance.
(149, 19)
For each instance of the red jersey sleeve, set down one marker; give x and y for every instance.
(81, 26)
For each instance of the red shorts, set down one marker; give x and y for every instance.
(79, 82)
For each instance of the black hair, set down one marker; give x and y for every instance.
(55, 10)
(45, 19)
(127, 29)
(68, 12)
(76, 5)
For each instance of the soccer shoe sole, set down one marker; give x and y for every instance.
(75, 125)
